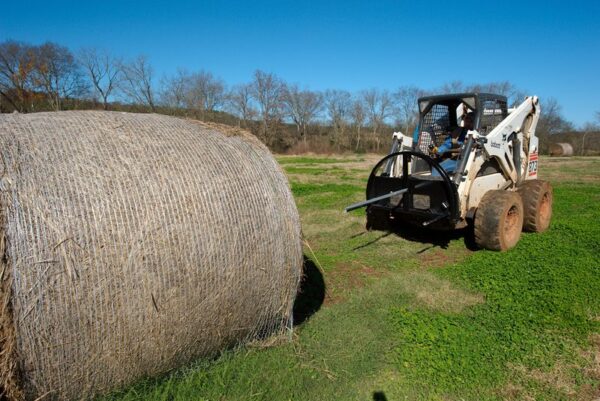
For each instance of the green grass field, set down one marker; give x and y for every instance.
(423, 319)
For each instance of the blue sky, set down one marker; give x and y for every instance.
(549, 48)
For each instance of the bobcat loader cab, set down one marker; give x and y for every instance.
(493, 183)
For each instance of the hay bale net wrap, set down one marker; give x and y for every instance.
(134, 243)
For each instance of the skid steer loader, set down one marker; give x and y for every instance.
(451, 174)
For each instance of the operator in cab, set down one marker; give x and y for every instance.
(453, 141)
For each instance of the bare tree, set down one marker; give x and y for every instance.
(206, 93)
(517, 98)
(174, 89)
(302, 106)
(587, 129)
(215, 94)
(379, 107)
(267, 90)
(358, 116)
(57, 74)
(16, 69)
(137, 84)
(452, 87)
(407, 108)
(504, 88)
(103, 71)
(239, 101)
(337, 107)
(551, 122)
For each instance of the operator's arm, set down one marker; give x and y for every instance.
(453, 141)
(446, 146)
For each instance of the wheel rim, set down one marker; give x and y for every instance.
(511, 225)
(545, 208)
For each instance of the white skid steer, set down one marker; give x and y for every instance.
(470, 162)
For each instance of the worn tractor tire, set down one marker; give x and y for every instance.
(537, 203)
(499, 220)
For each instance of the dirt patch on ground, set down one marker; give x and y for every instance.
(366, 163)
(437, 294)
(352, 162)
(557, 378)
(318, 222)
(346, 277)
(562, 377)
(427, 290)
(571, 169)
(436, 259)
(441, 258)
(592, 370)
(325, 178)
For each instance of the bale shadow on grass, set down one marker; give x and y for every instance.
(311, 293)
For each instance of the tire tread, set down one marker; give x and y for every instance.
(531, 192)
(488, 224)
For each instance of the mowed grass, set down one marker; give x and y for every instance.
(424, 319)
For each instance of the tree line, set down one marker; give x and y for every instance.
(285, 116)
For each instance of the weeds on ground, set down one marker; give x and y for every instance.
(540, 300)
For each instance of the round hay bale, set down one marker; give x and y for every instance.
(561, 149)
(133, 244)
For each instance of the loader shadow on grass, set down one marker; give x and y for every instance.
(435, 238)
(311, 293)
(371, 242)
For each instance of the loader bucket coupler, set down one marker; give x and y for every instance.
(424, 193)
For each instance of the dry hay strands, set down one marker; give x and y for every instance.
(134, 243)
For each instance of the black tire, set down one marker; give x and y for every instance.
(537, 203)
(499, 220)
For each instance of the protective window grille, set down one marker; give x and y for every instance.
(493, 113)
(435, 124)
